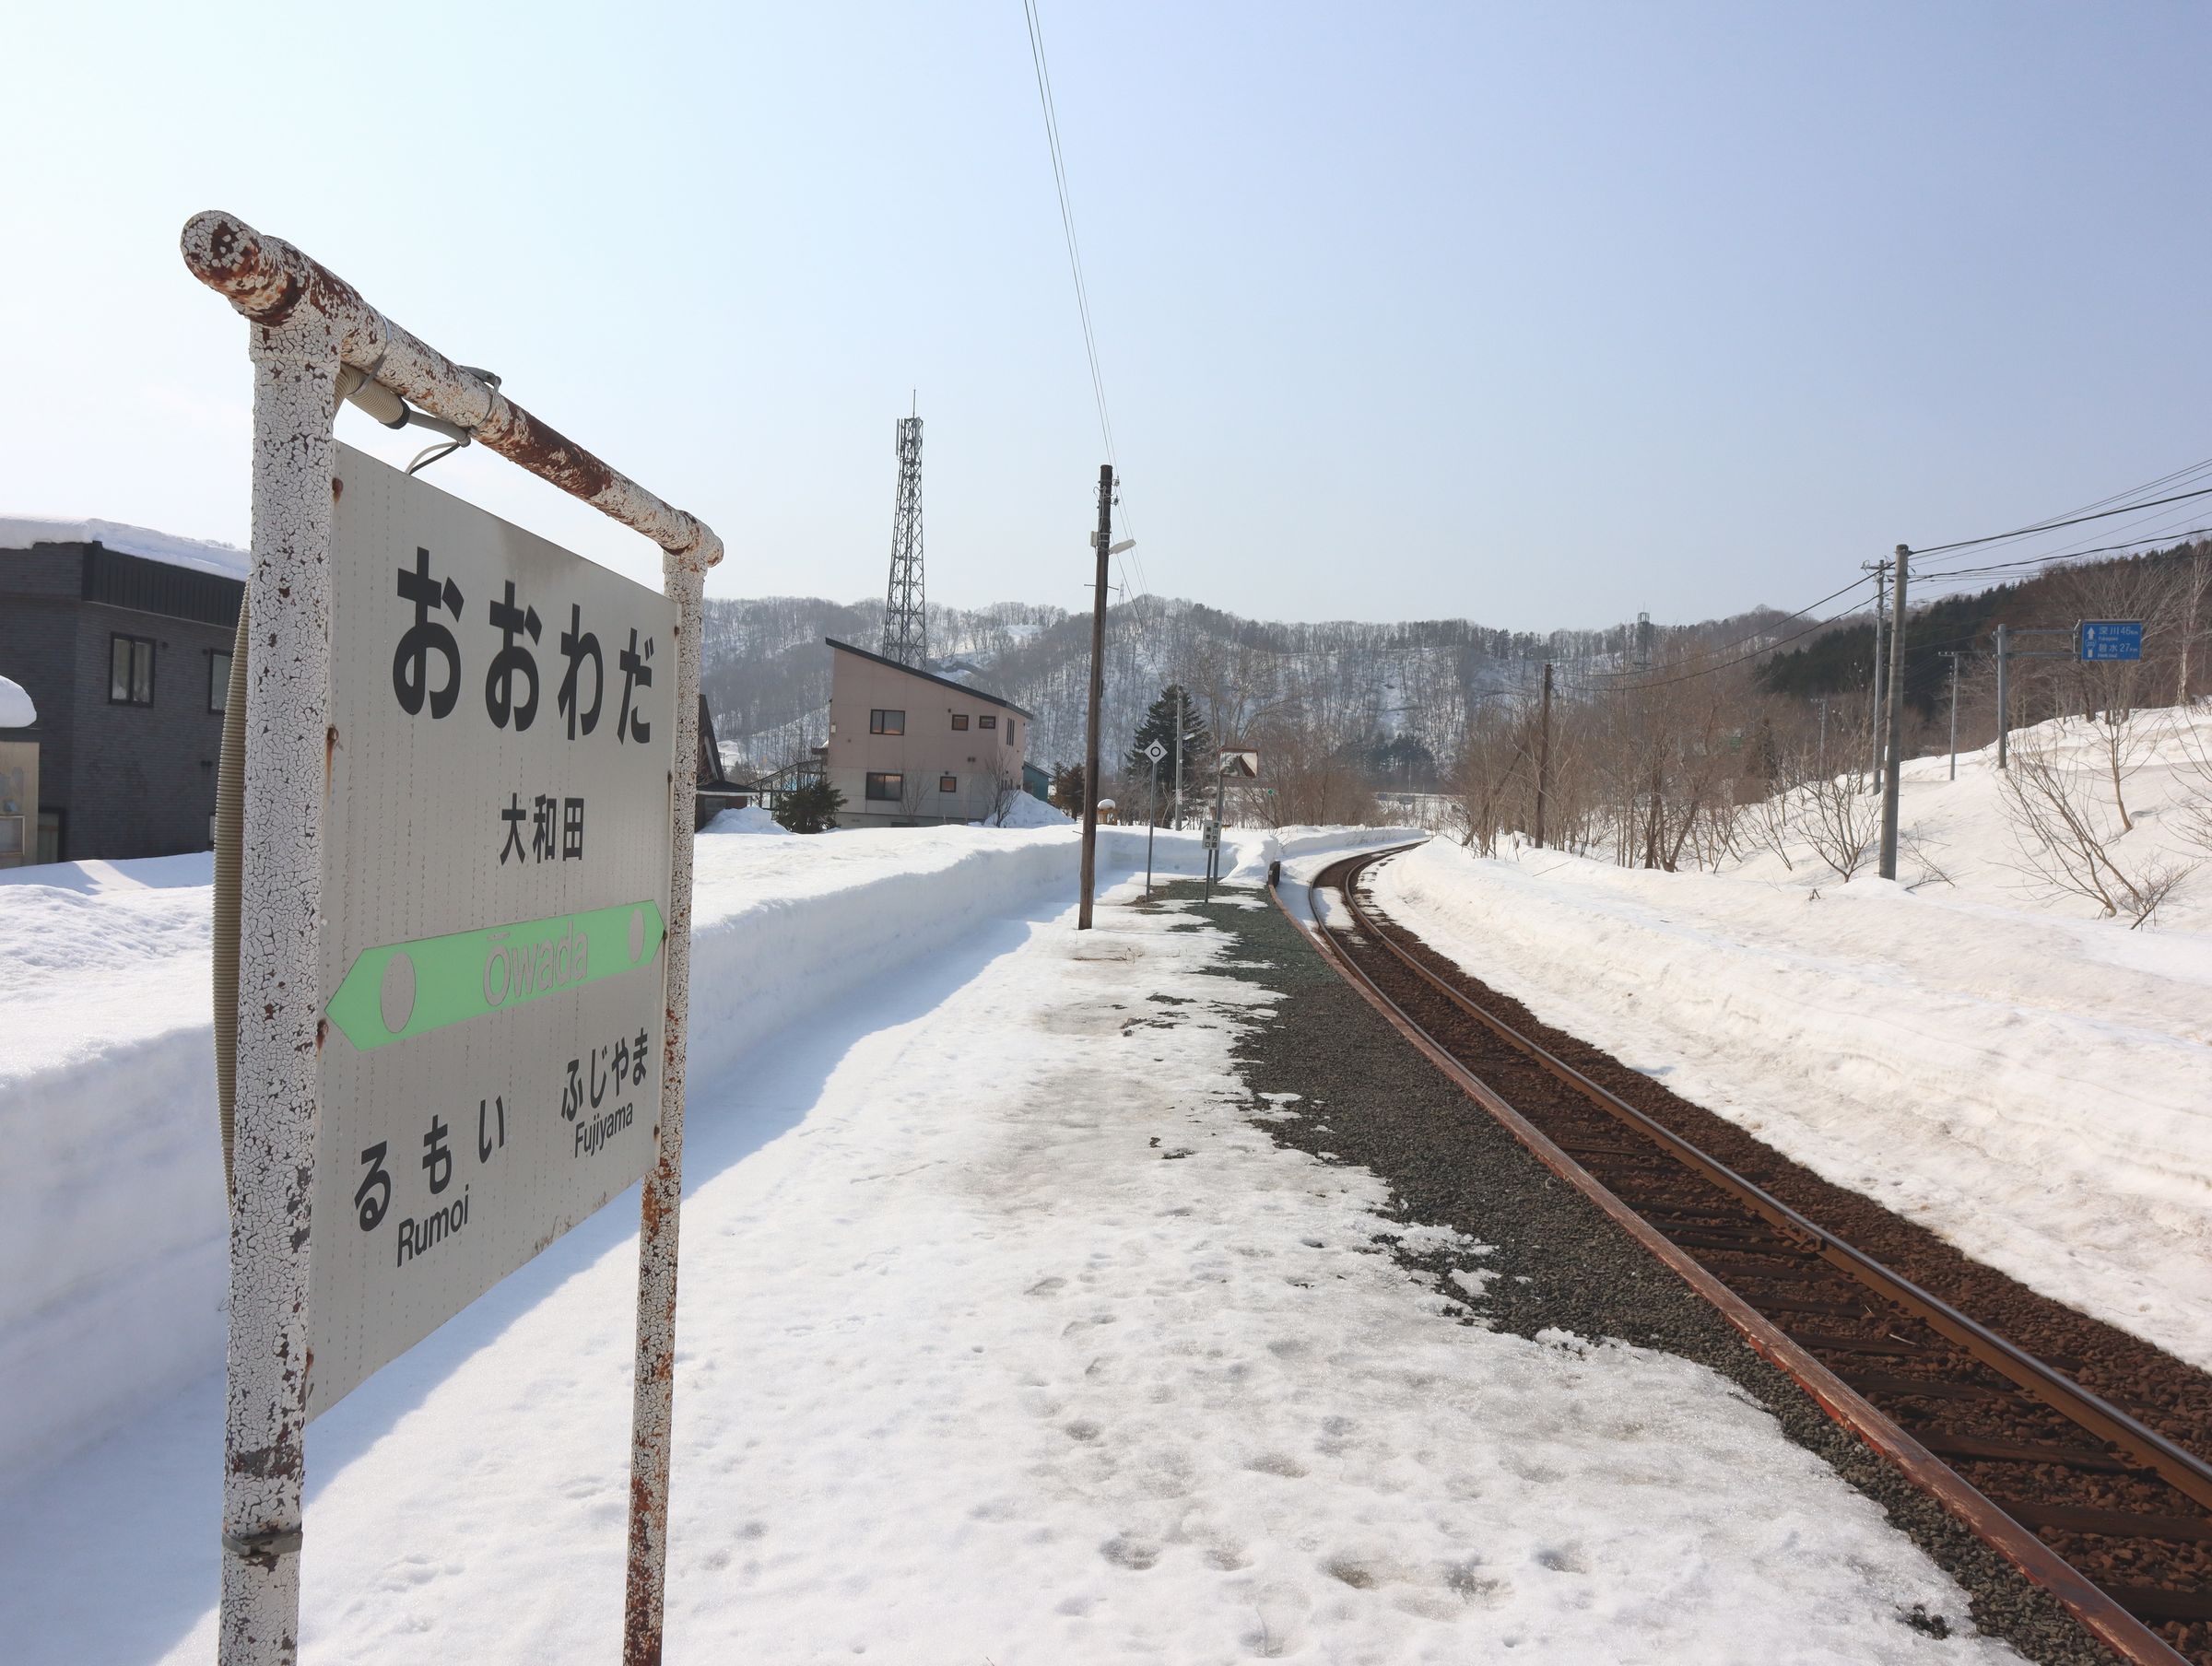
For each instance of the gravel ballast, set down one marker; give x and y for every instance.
(1365, 1096)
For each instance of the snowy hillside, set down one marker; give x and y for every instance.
(766, 675)
(2028, 1079)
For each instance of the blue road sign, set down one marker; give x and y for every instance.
(2112, 638)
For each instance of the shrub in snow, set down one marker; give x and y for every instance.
(810, 809)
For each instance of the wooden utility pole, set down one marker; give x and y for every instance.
(1104, 536)
(1543, 754)
(1894, 725)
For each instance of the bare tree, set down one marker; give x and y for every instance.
(2066, 838)
(2109, 693)
(994, 794)
(1838, 817)
(913, 793)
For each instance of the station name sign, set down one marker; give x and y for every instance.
(494, 884)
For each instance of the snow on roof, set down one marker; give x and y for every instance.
(21, 531)
(16, 710)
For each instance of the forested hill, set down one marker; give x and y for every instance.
(1397, 695)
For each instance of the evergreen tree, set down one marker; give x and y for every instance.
(1159, 725)
(1067, 788)
(810, 809)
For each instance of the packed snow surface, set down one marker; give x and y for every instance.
(2031, 1082)
(752, 819)
(1030, 811)
(17, 708)
(21, 531)
(1006, 1334)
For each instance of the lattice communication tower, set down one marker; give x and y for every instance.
(905, 621)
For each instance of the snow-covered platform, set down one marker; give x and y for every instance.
(1009, 1333)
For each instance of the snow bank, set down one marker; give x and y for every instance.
(1253, 852)
(112, 1204)
(2029, 1084)
(21, 531)
(16, 711)
(112, 1201)
(1028, 811)
(1005, 1336)
(752, 819)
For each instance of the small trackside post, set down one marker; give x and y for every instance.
(279, 981)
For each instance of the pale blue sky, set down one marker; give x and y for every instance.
(1536, 314)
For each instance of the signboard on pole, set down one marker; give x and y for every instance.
(1155, 752)
(495, 891)
(2110, 639)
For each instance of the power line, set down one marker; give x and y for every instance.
(1725, 647)
(1067, 219)
(2127, 509)
(2072, 554)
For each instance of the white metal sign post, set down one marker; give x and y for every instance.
(1155, 752)
(460, 873)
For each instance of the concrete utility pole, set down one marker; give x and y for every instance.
(1182, 724)
(1954, 655)
(1821, 701)
(1097, 683)
(1543, 754)
(1896, 723)
(1213, 856)
(2004, 693)
(2200, 572)
(1875, 692)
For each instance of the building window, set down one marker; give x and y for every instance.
(130, 671)
(987, 722)
(948, 784)
(885, 786)
(219, 679)
(1013, 731)
(886, 723)
(11, 836)
(959, 720)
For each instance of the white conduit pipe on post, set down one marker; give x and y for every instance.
(307, 322)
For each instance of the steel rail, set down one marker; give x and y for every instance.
(2177, 1466)
(2088, 1603)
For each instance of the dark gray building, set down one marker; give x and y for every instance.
(128, 661)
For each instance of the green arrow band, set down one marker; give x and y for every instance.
(401, 991)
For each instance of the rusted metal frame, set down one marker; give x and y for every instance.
(2098, 1612)
(2178, 1467)
(308, 322)
(279, 979)
(271, 283)
(652, 1384)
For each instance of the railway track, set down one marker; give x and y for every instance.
(2109, 1514)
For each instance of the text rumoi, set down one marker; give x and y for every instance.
(415, 1237)
(404, 989)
